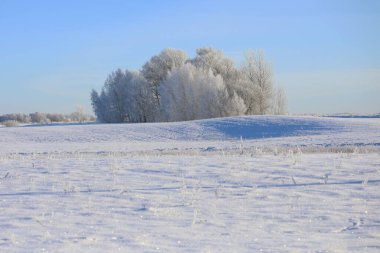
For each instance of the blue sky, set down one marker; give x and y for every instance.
(325, 54)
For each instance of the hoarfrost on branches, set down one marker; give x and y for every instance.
(171, 87)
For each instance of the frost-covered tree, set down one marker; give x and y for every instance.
(19, 117)
(98, 105)
(38, 117)
(56, 117)
(157, 68)
(170, 88)
(279, 104)
(125, 97)
(256, 83)
(79, 115)
(141, 102)
(212, 59)
(114, 94)
(43, 118)
(109, 106)
(190, 93)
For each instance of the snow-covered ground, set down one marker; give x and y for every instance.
(217, 134)
(240, 184)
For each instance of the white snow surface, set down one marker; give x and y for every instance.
(223, 133)
(239, 184)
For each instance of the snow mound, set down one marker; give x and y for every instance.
(254, 130)
(238, 184)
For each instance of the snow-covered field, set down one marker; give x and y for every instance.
(241, 184)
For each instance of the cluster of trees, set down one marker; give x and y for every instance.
(173, 87)
(46, 118)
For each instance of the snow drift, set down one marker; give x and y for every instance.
(255, 131)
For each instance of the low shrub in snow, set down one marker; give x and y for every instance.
(10, 123)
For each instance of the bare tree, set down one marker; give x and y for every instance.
(79, 115)
(279, 102)
(257, 81)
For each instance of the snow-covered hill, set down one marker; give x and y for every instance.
(240, 184)
(256, 131)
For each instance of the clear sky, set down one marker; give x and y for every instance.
(326, 54)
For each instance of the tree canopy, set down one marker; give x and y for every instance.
(173, 87)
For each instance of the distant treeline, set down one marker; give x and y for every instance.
(46, 118)
(173, 87)
(354, 116)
